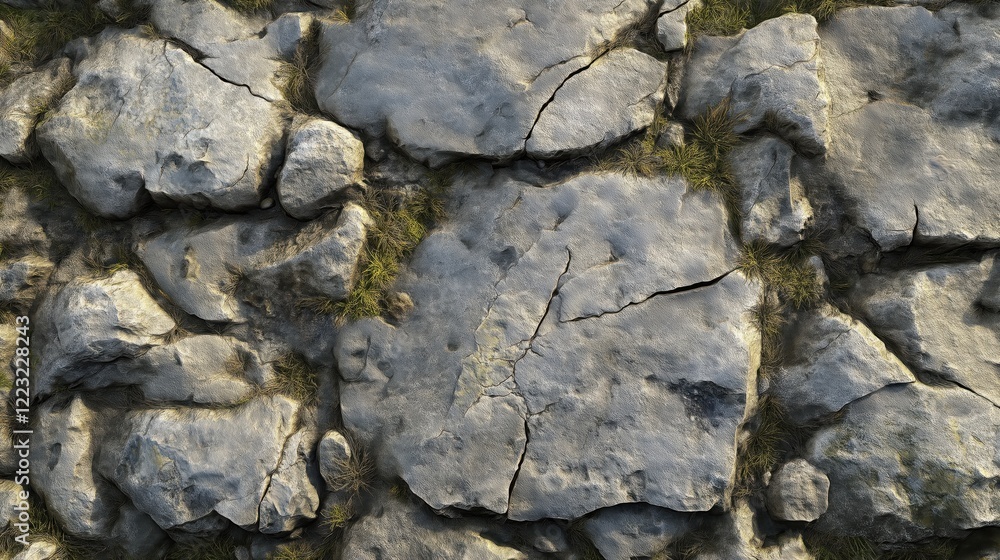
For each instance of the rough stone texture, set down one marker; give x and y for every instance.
(615, 96)
(333, 452)
(671, 27)
(87, 324)
(798, 492)
(10, 497)
(18, 277)
(204, 269)
(635, 530)
(62, 454)
(145, 119)
(21, 104)
(180, 465)
(377, 535)
(321, 260)
(914, 92)
(476, 89)
(910, 493)
(41, 549)
(291, 499)
(200, 23)
(738, 535)
(324, 161)
(770, 69)
(774, 208)
(831, 361)
(519, 270)
(690, 358)
(933, 317)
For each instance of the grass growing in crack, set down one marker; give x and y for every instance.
(249, 6)
(788, 273)
(760, 451)
(835, 547)
(399, 225)
(297, 76)
(236, 281)
(336, 516)
(356, 473)
(37, 179)
(295, 378)
(345, 13)
(728, 17)
(208, 549)
(44, 527)
(703, 160)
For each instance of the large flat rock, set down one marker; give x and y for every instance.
(577, 313)
(446, 79)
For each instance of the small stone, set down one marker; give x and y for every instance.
(798, 492)
(671, 28)
(266, 203)
(672, 136)
(334, 452)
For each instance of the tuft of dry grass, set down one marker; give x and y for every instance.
(297, 77)
(793, 278)
(296, 379)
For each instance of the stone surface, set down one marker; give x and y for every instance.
(200, 23)
(476, 89)
(145, 119)
(377, 535)
(933, 318)
(23, 102)
(321, 260)
(180, 465)
(292, 499)
(616, 95)
(798, 492)
(910, 493)
(137, 534)
(63, 448)
(42, 549)
(520, 270)
(671, 26)
(831, 360)
(324, 161)
(90, 323)
(635, 530)
(19, 277)
(774, 207)
(919, 104)
(772, 69)
(10, 497)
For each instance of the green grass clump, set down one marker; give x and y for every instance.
(297, 76)
(296, 379)
(762, 449)
(788, 273)
(399, 225)
(250, 6)
(337, 515)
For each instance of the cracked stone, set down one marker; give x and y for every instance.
(924, 105)
(474, 91)
(771, 71)
(146, 121)
(671, 27)
(517, 267)
(910, 493)
(615, 96)
(20, 103)
(933, 318)
(831, 361)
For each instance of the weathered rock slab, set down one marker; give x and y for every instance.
(324, 161)
(23, 102)
(798, 491)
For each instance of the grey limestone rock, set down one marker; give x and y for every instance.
(775, 209)
(671, 26)
(635, 530)
(333, 452)
(911, 493)
(292, 499)
(832, 360)
(798, 491)
(324, 161)
(63, 448)
(475, 90)
(771, 71)
(912, 91)
(23, 102)
(145, 119)
(378, 535)
(181, 465)
(615, 96)
(520, 271)
(83, 326)
(933, 318)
